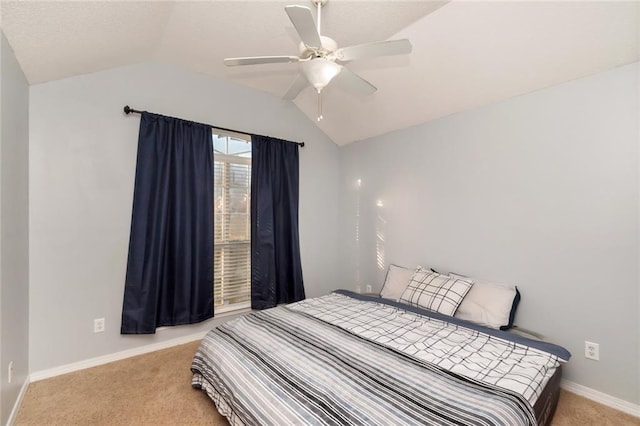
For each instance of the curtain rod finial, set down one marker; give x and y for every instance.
(127, 110)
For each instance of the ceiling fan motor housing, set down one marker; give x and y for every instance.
(328, 46)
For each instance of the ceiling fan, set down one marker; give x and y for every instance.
(321, 60)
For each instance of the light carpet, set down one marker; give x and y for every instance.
(155, 389)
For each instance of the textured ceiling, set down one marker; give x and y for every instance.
(465, 54)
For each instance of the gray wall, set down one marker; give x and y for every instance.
(540, 191)
(14, 213)
(82, 158)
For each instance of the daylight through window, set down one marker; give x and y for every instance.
(232, 204)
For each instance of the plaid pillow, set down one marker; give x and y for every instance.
(435, 292)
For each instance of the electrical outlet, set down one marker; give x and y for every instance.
(369, 288)
(98, 325)
(10, 372)
(592, 351)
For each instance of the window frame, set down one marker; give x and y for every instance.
(233, 159)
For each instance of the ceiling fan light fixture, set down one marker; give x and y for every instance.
(319, 72)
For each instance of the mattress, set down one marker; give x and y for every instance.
(346, 358)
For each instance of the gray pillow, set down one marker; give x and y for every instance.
(396, 281)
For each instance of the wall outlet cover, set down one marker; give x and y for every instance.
(98, 325)
(592, 350)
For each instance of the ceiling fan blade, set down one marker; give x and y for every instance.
(352, 82)
(371, 50)
(255, 60)
(302, 20)
(296, 87)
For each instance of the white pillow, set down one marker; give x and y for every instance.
(436, 292)
(397, 279)
(486, 303)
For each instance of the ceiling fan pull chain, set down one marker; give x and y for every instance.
(319, 105)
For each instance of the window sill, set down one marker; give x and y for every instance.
(231, 312)
(236, 308)
(220, 312)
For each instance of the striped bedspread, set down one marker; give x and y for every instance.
(319, 362)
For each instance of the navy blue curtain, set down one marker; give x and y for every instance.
(276, 270)
(169, 277)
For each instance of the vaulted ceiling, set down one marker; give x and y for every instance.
(465, 53)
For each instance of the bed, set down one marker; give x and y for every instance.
(348, 358)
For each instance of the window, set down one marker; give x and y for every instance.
(232, 223)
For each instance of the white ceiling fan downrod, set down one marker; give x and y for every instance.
(319, 4)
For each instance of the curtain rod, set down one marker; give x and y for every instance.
(128, 110)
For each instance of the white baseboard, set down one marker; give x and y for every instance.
(18, 403)
(105, 359)
(602, 398)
